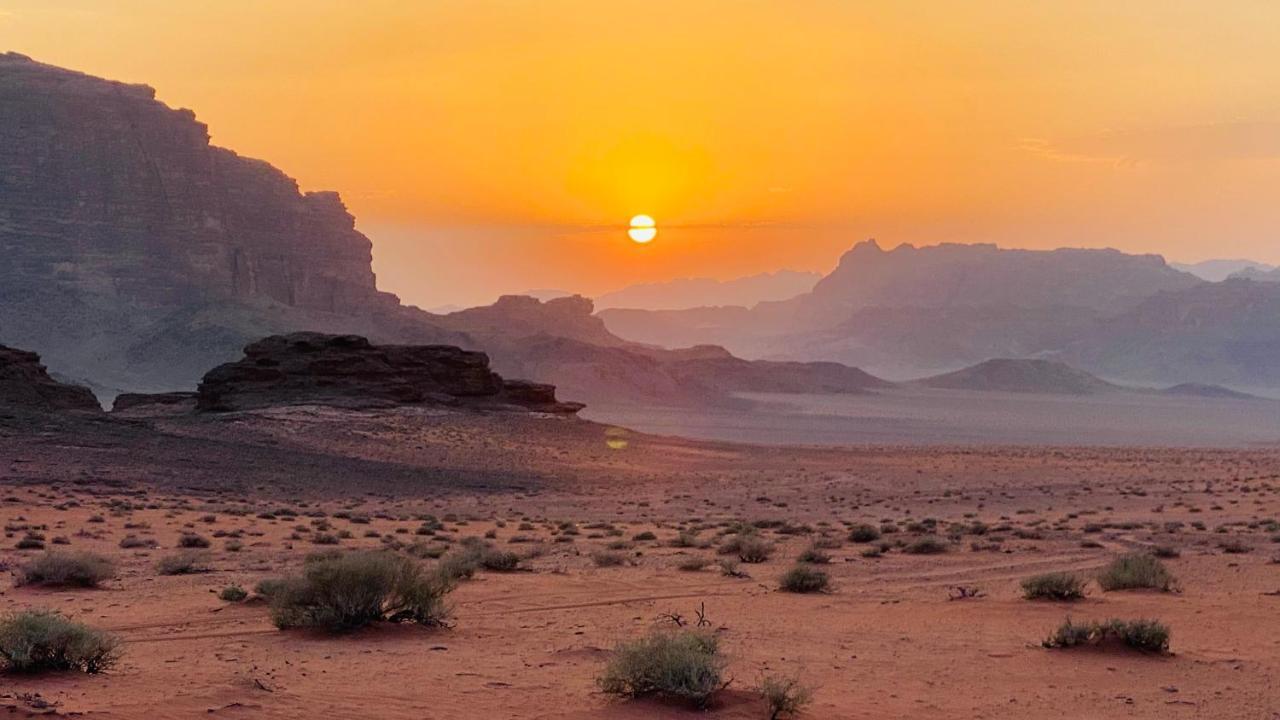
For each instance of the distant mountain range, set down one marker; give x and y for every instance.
(1218, 270)
(687, 293)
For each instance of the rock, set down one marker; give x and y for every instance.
(150, 404)
(349, 371)
(25, 384)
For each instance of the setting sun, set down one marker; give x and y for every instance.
(642, 229)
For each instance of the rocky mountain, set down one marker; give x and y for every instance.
(686, 293)
(25, 385)
(1258, 274)
(1021, 375)
(1225, 333)
(138, 254)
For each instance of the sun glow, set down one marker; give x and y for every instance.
(642, 229)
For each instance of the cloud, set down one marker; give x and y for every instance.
(1195, 144)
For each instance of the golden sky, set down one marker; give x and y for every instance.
(493, 146)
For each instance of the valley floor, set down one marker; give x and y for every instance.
(887, 642)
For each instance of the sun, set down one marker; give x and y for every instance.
(643, 229)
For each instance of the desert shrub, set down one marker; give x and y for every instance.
(233, 593)
(39, 640)
(187, 562)
(814, 556)
(30, 542)
(191, 540)
(269, 587)
(684, 539)
(863, 533)
(784, 696)
(729, 568)
(66, 569)
(683, 665)
(693, 563)
(644, 536)
(133, 541)
(803, 578)
(499, 560)
(325, 539)
(926, 546)
(1145, 635)
(754, 549)
(355, 590)
(1165, 552)
(1136, 571)
(606, 558)
(1053, 586)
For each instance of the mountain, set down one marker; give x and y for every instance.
(1258, 274)
(1225, 333)
(1021, 376)
(137, 254)
(1219, 270)
(704, 292)
(1207, 391)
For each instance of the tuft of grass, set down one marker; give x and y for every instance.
(803, 578)
(784, 696)
(928, 545)
(1137, 571)
(42, 641)
(66, 569)
(354, 590)
(682, 665)
(1053, 586)
(1144, 635)
(864, 533)
(187, 562)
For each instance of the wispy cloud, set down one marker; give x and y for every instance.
(1205, 143)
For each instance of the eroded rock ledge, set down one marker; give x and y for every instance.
(349, 371)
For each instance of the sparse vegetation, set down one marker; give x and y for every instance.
(186, 562)
(928, 545)
(864, 533)
(804, 578)
(1136, 571)
(784, 696)
(684, 665)
(66, 569)
(1145, 635)
(233, 593)
(1053, 586)
(608, 558)
(43, 641)
(360, 588)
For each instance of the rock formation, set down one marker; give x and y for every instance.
(26, 385)
(349, 371)
(1022, 375)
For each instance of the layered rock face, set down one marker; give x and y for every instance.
(103, 189)
(348, 370)
(26, 385)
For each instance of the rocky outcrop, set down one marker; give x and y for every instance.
(137, 255)
(26, 385)
(349, 371)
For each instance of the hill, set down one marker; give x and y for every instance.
(1021, 376)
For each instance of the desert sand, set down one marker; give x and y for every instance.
(889, 641)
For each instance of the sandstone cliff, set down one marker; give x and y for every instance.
(26, 385)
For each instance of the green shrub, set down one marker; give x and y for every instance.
(39, 640)
(1136, 571)
(814, 556)
(360, 588)
(684, 665)
(754, 550)
(929, 545)
(233, 593)
(784, 696)
(187, 562)
(864, 533)
(1053, 586)
(66, 569)
(804, 579)
(1145, 635)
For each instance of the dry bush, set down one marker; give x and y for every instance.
(40, 641)
(187, 562)
(1053, 586)
(354, 590)
(607, 558)
(784, 696)
(1145, 635)
(1137, 571)
(864, 533)
(67, 569)
(683, 665)
(929, 545)
(803, 578)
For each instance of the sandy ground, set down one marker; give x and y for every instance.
(887, 642)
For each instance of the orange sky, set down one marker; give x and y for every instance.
(479, 142)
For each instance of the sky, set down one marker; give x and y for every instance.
(495, 146)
